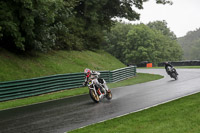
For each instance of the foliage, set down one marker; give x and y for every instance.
(132, 44)
(191, 45)
(28, 24)
(1, 35)
(162, 27)
(164, 2)
(61, 24)
(94, 16)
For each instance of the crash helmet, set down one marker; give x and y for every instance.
(87, 71)
(166, 63)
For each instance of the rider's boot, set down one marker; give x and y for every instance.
(106, 87)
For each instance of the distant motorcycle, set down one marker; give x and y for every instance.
(172, 72)
(94, 88)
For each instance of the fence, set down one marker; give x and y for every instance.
(183, 63)
(123, 73)
(36, 86)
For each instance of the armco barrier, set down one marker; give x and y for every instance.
(36, 86)
(123, 73)
(183, 63)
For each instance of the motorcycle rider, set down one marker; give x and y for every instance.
(90, 75)
(167, 65)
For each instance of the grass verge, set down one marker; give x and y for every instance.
(16, 67)
(189, 67)
(179, 116)
(140, 78)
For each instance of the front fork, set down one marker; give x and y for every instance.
(97, 89)
(96, 86)
(93, 88)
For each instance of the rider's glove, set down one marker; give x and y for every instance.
(84, 83)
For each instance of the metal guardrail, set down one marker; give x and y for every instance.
(36, 86)
(123, 73)
(182, 63)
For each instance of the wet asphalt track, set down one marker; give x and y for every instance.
(71, 113)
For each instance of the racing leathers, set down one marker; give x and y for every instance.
(168, 66)
(94, 75)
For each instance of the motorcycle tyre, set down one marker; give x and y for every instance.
(174, 76)
(94, 97)
(109, 95)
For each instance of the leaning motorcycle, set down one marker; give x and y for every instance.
(172, 72)
(94, 88)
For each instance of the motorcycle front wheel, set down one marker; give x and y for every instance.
(93, 96)
(109, 95)
(174, 76)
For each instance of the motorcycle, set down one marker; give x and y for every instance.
(96, 88)
(172, 72)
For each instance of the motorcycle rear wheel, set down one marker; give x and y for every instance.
(93, 96)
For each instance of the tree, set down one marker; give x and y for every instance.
(191, 45)
(10, 26)
(133, 44)
(115, 40)
(161, 26)
(61, 24)
(1, 34)
(96, 16)
(29, 24)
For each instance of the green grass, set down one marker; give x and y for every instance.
(179, 116)
(190, 67)
(15, 67)
(140, 78)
